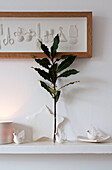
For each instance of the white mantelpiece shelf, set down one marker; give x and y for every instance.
(50, 148)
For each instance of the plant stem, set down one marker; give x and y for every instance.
(54, 139)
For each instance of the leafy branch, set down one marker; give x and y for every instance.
(52, 68)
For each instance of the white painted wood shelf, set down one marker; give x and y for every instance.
(50, 148)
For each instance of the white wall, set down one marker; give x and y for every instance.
(87, 104)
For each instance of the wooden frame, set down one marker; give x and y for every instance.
(51, 15)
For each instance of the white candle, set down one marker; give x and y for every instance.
(6, 130)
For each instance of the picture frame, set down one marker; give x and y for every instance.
(20, 32)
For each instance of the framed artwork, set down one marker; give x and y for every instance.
(20, 33)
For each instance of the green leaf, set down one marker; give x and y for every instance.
(45, 86)
(65, 56)
(54, 46)
(68, 73)
(43, 62)
(45, 49)
(68, 84)
(43, 74)
(57, 95)
(52, 90)
(66, 63)
(49, 89)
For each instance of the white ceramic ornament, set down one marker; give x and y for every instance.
(60, 136)
(92, 134)
(42, 123)
(18, 138)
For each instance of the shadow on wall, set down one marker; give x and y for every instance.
(90, 85)
(99, 35)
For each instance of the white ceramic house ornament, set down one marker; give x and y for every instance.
(42, 123)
